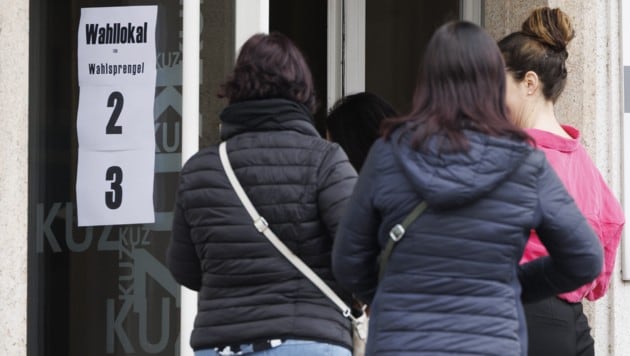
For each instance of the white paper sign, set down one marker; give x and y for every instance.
(116, 60)
(116, 118)
(117, 45)
(115, 188)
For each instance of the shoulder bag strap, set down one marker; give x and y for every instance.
(397, 233)
(262, 226)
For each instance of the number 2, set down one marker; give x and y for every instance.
(116, 100)
(113, 198)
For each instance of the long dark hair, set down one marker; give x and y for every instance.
(541, 47)
(461, 85)
(270, 66)
(354, 122)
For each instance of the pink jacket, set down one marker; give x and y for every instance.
(592, 196)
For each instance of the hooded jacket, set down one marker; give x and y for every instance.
(452, 285)
(299, 183)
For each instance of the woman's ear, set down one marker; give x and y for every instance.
(531, 82)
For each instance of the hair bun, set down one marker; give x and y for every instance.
(549, 26)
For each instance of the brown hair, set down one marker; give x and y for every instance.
(270, 66)
(354, 123)
(541, 47)
(461, 87)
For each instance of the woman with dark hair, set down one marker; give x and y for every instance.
(535, 58)
(450, 281)
(354, 122)
(251, 299)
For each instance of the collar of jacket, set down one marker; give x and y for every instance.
(266, 115)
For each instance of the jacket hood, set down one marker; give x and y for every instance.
(266, 115)
(448, 180)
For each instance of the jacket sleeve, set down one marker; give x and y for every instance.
(609, 227)
(611, 233)
(335, 178)
(356, 246)
(181, 257)
(575, 253)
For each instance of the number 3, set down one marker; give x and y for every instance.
(113, 198)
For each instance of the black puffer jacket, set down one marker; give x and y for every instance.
(453, 285)
(300, 183)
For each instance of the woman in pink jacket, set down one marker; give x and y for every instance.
(535, 59)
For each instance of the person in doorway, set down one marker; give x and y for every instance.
(354, 123)
(452, 283)
(535, 59)
(251, 299)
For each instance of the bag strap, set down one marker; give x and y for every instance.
(396, 233)
(262, 226)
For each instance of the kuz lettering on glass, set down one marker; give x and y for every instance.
(113, 198)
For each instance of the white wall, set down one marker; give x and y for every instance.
(13, 174)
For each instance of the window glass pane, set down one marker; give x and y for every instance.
(396, 33)
(97, 290)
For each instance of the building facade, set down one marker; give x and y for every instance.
(104, 290)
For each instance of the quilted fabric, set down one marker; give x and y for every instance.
(300, 184)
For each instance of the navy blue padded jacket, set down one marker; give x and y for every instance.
(453, 285)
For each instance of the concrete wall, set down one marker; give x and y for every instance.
(591, 102)
(13, 174)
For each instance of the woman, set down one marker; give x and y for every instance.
(536, 70)
(354, 122)
(453, 284)
(251, 299)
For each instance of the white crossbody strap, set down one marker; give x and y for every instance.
(263, 227)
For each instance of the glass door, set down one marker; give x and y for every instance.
(376, 45)
(365, 45)
(101, 290)
(396, 33)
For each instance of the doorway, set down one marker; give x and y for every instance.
(363, 45)
(396, 33)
